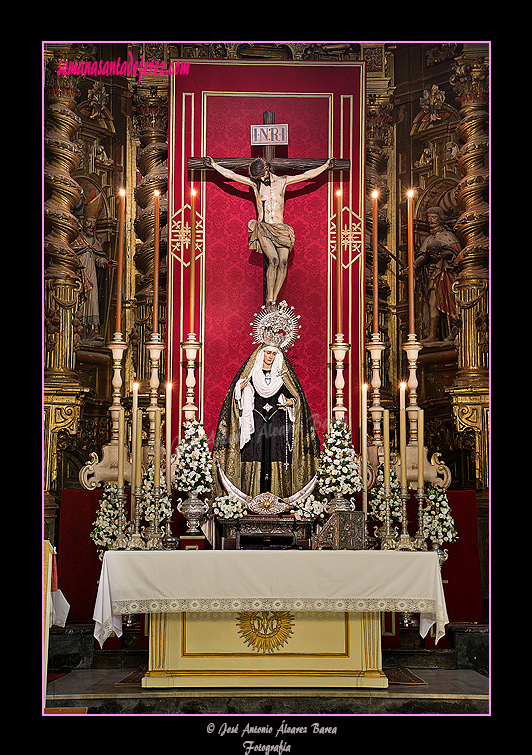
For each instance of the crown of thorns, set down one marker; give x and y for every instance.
(258, 167)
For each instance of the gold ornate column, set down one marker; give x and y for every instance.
(151, 111)
(470, 390)
(381, 176)
(62, 284)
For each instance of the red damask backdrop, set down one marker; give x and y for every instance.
(233, 280)
(212, 111)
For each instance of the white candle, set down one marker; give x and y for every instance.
(121, 441)
(157, 441)
(168, 427)
(364, 446)
(138, 471)
(134, 450)
(420, 441)
(386, 431)
(134, 434)
(402, 432)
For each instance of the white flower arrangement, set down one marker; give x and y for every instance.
(106, 522)
(377, 498)
(227, 507)
(194, 460)
(309, 509)
(339, 472)
(438, 522)
(148, 497)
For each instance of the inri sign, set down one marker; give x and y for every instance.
(276, 133)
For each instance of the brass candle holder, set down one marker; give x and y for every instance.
(420, 543)
(136, 541)
(404, 542)
(388, 539)
(121, 540)
(155, 533)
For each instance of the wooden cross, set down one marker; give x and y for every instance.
(277, 163)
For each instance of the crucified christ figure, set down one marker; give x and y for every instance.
(269, 233)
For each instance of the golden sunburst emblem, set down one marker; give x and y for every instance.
(265, 631)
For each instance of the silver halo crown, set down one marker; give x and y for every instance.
(276, 325)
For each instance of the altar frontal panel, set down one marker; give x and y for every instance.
(265, 649)
(212, 111)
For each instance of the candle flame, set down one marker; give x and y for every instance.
(375, 194)
(339, 193)
(156, 193)
(122, 192)
(365, 387)
(169, 386)
(410, 193)
(403, 386)
(193, 192)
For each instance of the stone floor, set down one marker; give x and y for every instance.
(446, 692)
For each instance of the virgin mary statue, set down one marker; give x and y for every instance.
(265, 439)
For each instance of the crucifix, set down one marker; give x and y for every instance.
(269, 233)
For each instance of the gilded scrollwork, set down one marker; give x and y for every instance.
(265, 631)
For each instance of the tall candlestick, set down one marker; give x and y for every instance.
(402, 433)
(386, 439)
(410, 213)
(339, 302)
(168, 427)
(420, 454)
(192, 294)
(157, 454)
(121, 441)
(156, 231)
(375, 205)
(364, 446)
(120, 261)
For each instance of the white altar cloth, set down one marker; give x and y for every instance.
(258, 580)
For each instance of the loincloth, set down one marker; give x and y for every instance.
(280, 234)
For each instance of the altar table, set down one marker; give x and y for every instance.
(267, 618)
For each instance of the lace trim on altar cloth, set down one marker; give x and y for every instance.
(103, 630)
(431, 611)
(174, 605)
